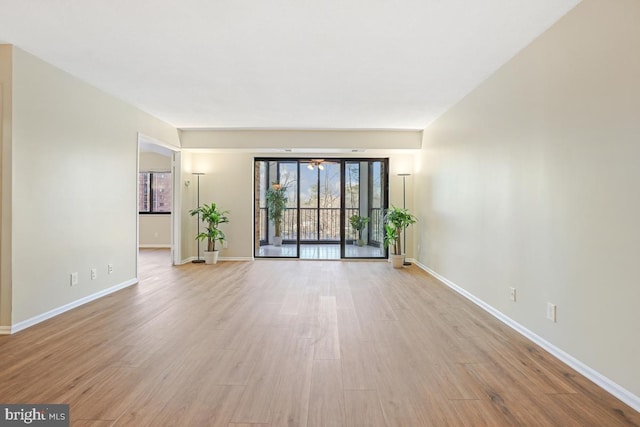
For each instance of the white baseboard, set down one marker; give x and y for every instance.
(615, 389)
(188, 260)
(49, 314)
(154, 246)
(5, 330)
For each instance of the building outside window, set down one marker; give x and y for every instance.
(154, 193)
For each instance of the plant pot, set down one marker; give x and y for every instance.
(360, 242)
(277, 241)
(211, 257)
(397, 261)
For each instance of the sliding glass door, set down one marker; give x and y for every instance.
(321, 197)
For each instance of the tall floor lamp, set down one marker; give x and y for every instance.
(404, 206)
(198, 261)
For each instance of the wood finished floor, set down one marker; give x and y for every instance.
(293, 343)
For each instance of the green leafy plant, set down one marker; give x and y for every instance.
(276, 205)
(396, 220)
(213, 217)
(358, 223)
(391, 236)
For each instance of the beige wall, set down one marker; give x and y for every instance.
(532, 182)
(154, 162)
(229, 183)
(5, 184)
(301, 139)
(154, 230)
(229, 171)
(74, 186)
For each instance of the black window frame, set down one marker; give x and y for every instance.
(152, 192)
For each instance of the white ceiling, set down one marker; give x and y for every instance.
(286, 64)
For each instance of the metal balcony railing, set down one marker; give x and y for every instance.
(321, 225)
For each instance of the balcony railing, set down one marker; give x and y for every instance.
(321, 225)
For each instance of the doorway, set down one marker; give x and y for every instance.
(158, 199)
(331, 208)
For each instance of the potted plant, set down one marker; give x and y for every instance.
(396, 220)
(213, 217)
(358, 223)
(276, 205)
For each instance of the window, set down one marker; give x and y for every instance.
(154, 192)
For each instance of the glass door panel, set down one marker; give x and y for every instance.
(364, 203)
(377, 203)
(308, 203)
(276, 208)
(320, 209)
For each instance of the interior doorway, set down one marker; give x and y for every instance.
(159, 195)
(330, 208)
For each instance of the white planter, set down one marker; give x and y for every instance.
(211, 257)
(397, 260)
(277, 241)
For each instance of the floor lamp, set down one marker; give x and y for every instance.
(404, 206)
(198, 261)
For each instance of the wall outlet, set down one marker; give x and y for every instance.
(512, 294)
(73, 280)
(224, 244)
(94, 274)
(109, 268)
(552, 312)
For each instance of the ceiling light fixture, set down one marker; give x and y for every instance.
(315, 162)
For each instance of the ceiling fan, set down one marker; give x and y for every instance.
(315, 162)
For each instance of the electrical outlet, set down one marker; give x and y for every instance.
(224, 244)
(94, 274)
(552, 312)
(512, 294)
(109, 268)
(74, 279)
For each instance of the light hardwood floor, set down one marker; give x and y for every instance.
(293, 343)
